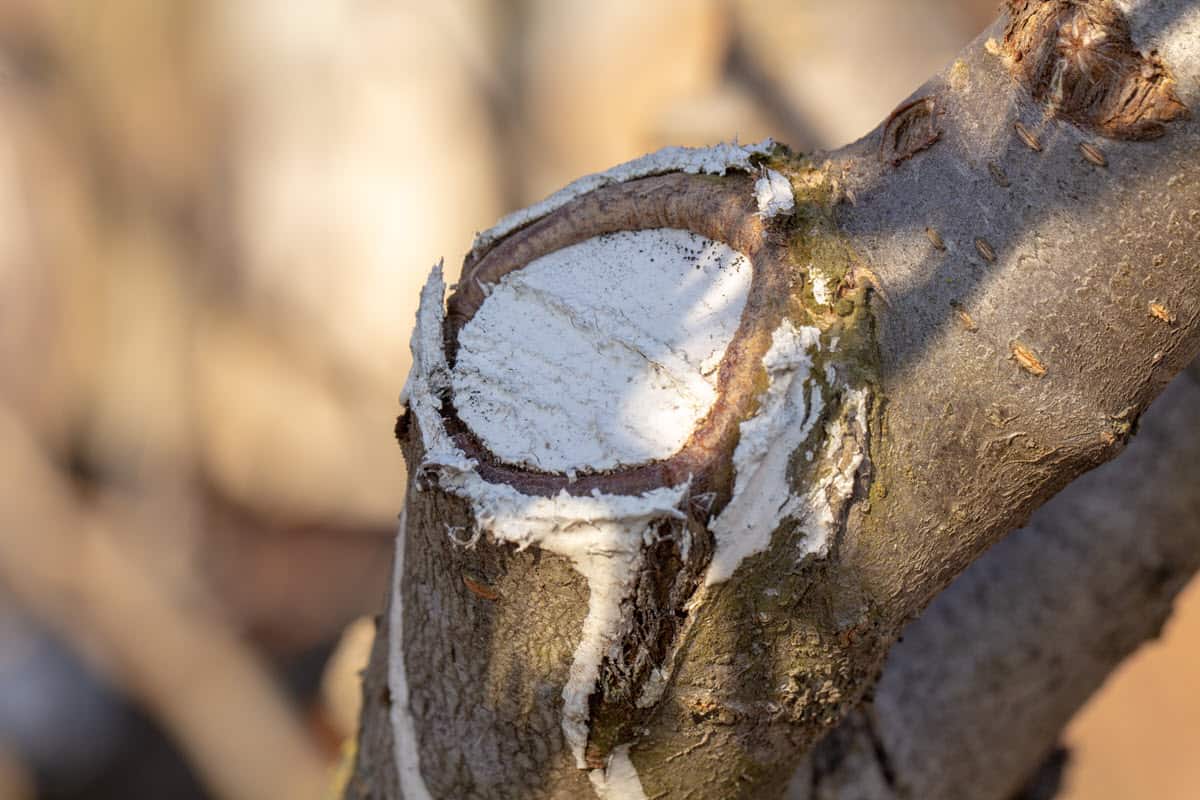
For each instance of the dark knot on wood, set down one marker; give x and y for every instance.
(1077, 57)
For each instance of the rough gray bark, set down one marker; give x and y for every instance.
(974, 696)
(1015, 277)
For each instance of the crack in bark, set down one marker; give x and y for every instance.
(623, 699)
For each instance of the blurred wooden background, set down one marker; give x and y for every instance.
(214, 217)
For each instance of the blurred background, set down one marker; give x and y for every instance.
(214, 219)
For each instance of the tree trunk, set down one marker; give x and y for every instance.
(886, 359)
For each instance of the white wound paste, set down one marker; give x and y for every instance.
(767, 440)
(762, 494)
(821, 286)
(774, 195)
(619, 779)
(602, 354)
(656, 685)
(404, 732)
(716, 160)
(836, 486)
(603, 535)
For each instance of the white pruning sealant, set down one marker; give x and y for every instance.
(602, 354)
(762, 494)
(834, 488)
(603, 535)
(619, 779)
(774, 195)
(656, 685)
(822, 286)
(404, 732)
(716, 160)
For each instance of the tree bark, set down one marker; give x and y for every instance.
(997, 281)
(973, 698)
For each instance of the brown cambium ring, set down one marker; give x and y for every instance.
(720, 209)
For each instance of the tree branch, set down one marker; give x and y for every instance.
(946, 323)
(976, 693)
